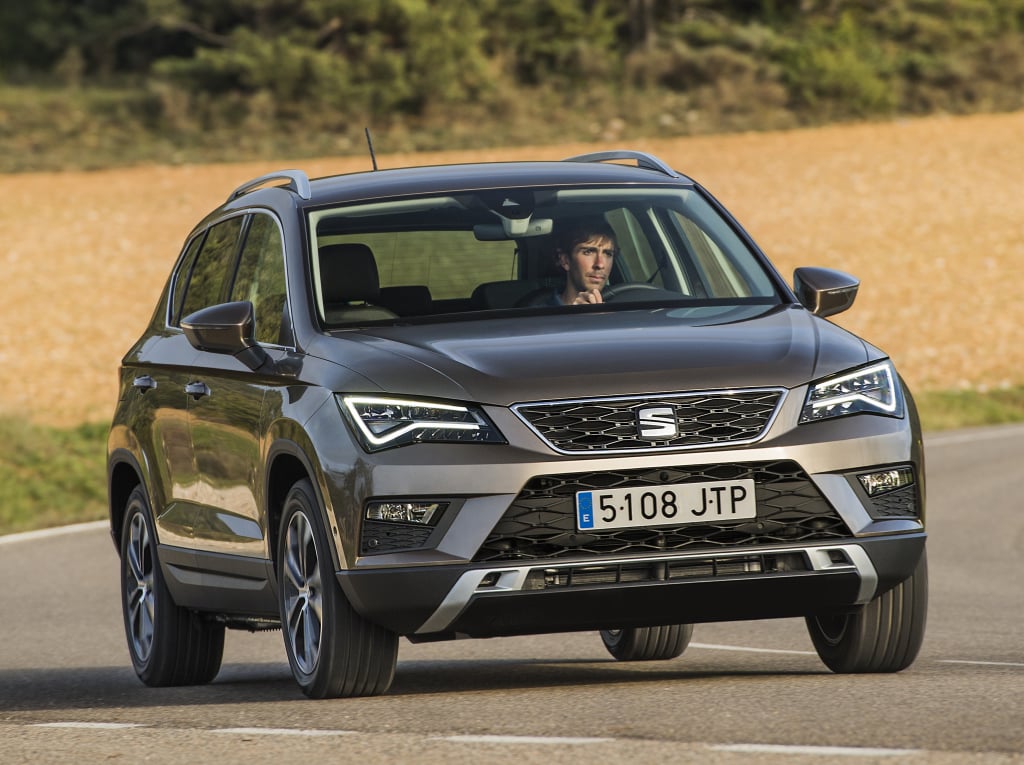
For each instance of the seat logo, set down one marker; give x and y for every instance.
(657, 422)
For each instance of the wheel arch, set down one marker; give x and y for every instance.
(287, 464)
(289, 461)
(124, 475)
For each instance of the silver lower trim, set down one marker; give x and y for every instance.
(830, 558)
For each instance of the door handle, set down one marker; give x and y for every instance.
(197, 389)
(143, 383)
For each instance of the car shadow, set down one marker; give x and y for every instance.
(56, 689)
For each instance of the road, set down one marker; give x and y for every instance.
(742, 693)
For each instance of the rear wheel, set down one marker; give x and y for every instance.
(332, 650)
(169, 645)
(648, 643)
(883, 636)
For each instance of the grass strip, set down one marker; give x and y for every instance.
(948, 410)
(50, 476)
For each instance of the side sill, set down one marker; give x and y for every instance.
(219, 584)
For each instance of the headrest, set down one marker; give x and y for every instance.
(503, 294)
(406, 299)
(348, 272)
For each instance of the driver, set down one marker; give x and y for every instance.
(585, 251)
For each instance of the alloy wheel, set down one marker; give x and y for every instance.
(139, 598)
(303, 593)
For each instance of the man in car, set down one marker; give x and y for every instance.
(585, 251)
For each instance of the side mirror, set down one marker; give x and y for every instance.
(823, 291)
(226, 328)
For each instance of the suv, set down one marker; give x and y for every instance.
(413, 402)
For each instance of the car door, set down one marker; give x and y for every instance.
(226, 408)
(156, 371)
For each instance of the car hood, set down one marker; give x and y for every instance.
(509, 360)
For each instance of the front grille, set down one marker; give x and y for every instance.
(541, 522)
(612, 425)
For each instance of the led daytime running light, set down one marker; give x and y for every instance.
(384, 422)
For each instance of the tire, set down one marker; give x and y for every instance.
(332, 650)
(648, 643)
(169, 645)
(883, 636)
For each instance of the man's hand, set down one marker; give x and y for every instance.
(590, 296)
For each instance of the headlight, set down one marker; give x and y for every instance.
(873, 389)
(383, 422)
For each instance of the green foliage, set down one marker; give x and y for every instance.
(366, 58)
(50, 476)
(839, 66)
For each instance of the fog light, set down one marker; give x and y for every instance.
(886, 480)
(404, 512)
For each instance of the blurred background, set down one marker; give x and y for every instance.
(92, 83)
(880, 137)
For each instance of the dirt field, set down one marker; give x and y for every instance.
(928, 213)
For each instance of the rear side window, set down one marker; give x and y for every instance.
(207, 281)
(188, 260)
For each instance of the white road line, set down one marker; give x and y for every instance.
(89, 725)
(740, 648)
(983, 663)
(28, 536)
(312, 733)
(550, 740)
(815, 751)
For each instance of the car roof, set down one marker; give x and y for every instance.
(599, 169)
(471, 177)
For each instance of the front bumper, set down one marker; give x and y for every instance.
(506, 558)
(483, 601)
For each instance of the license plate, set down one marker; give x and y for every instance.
(669, 505)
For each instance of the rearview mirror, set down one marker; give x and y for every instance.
(824, 291)
(511, 228)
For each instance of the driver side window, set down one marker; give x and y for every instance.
(260, 278)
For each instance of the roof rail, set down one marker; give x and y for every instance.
(298, 182)
(643, 159)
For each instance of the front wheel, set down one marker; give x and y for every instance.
(883, 636)
(332, 650)
(169, 645)
(648, 643)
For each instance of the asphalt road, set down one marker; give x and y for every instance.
(742, 693)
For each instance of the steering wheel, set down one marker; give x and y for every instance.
(618, 290)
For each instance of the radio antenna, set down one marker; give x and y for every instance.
(369, 143)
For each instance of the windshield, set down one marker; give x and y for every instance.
(529, 250)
